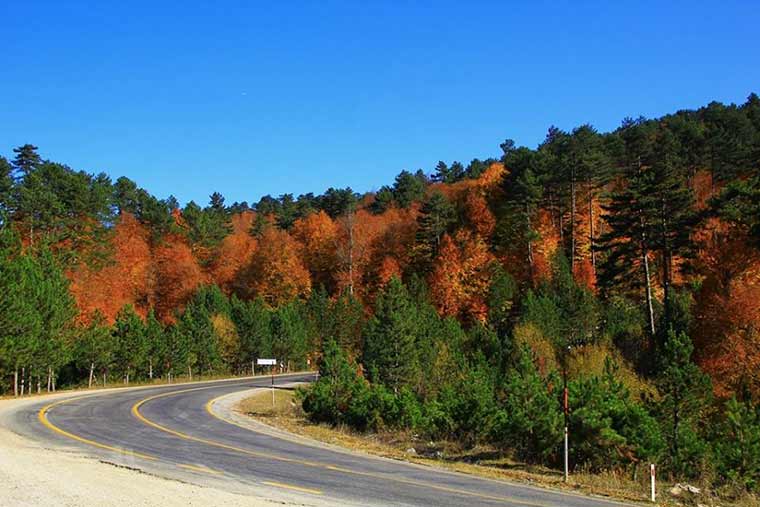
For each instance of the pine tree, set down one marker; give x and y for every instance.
(252, 321)
(408, 188)
(155, 345)
(56, 308)
(94, 348)
(670, 203)
(27, 159)
(130, 343)
(436, 217)
(390, 338)
(20, 322)
(592, 166)
(737, 444)
(290, 338)
(6, 190)
(529, 420)
(347, 323)
(383, 200)
(650, 216)
(442, 172)
(685, 392)
(522, 195)
(203, 343)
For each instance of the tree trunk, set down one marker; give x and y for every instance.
(15, 383)
(150, 368)
(648, 283)
(572, 221)
(92, 372)
(53, 379)
(190, 372)
(127, 379)
(350, 221)
(49, 379)
(666, 265)
(23, 380)
(591, 228)
(39, 385)
(676, 422)
(530, 242)
(104, 379)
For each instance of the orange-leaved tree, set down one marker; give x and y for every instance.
(276, 273)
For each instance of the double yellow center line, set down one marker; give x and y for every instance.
(42, 415)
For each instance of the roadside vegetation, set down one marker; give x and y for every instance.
(453, 306)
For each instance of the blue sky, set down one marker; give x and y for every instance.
(251, 98)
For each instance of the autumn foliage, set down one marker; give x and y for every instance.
(276, 272)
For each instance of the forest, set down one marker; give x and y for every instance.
(458, 302)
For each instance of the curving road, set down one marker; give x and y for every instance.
(176, 432)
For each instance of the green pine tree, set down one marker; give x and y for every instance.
(516, 227)
(436, 218)
(391, 338)
(130, 344)
(686, 392)
(737, 445)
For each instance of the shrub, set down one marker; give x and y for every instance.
(607, 427)
(737, 447)
(529, 420)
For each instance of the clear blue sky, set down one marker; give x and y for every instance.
(252, 98)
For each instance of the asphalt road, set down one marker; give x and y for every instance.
(175, 432)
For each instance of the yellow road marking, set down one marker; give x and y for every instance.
(324, 466)
(294, 488)
(196, 468)
(136, 412)
(43, 418)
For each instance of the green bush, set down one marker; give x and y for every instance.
(737, 446)
(340, 395)
(607, 428)
(464, 408)
(529, 420)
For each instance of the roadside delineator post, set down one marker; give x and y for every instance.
(272, 363)
(652, 481)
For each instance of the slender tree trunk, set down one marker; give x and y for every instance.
(23, 380)
(53, 379)
(350, 220)
(591, 228)
(104, 378)
(15, 383)
(92, 372)
(666, 266)
(127, 379)
(49, 378)
(648, 283)
(530, 242)
(39, 385)
(676, 422)
(190, 372)
(150, 368)
(572, 221)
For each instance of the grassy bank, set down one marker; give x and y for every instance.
(286, 414)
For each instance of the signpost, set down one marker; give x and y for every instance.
(272, 363)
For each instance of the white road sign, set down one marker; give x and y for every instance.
(266, 362)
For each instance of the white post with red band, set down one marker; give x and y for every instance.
(652, 474)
